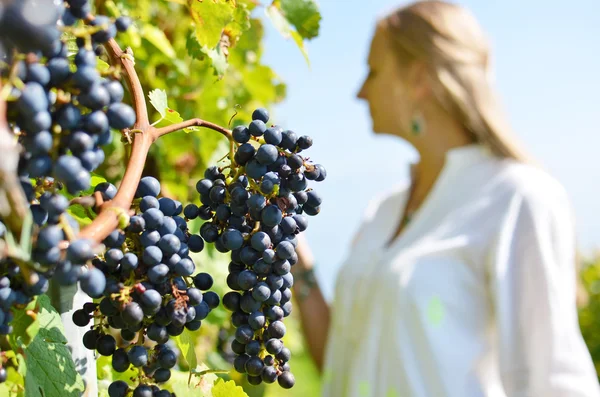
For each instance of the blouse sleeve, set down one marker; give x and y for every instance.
(532, 277)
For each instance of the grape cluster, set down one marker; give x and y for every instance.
(255, 207)
(62, 113)
(150, 291)
(64, 117)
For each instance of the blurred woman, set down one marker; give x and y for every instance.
(462, 283)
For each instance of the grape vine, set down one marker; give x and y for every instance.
(58, 109)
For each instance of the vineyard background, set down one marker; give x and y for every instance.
(223, 83)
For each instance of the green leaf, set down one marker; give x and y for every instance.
(24, 326)
(216, 55)
(227, 389)
(298, 40)
(96, 179)
(194, 48)
(173, 116)
(46, 364)
(102, 66)
(211, 17)
(240, 23)
(185, 343)
(157, 37)
(284, 27)
(158, 99)
(304, 15)
(78, 212)
(218, 60)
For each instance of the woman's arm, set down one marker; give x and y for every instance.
(532, 284)
(314, 311)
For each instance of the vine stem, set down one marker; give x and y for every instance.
(145, 136)
(158, 132)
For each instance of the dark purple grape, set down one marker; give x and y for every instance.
(286, 380)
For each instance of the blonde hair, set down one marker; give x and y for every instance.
(450, 41)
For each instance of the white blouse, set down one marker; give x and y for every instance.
(476, 297)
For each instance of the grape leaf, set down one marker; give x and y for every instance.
(24, 325)
(158, 99)
(284, 27)
(157, 37)
(217, 55)
(304, 15)
(194, 48)
(79, 214)
(239, 24)
(185, 343)
(227, 389)
(46, 364)
(218, 58)
(211, 17)
(168, 116)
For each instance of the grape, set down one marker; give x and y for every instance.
(254, 366)
(231, 301)
(257, 127)
(244, 334)
(256, 320)
(143, 391)
(211, 299)
(106, 345)
(260, 114)
(148, 186)
(271, 216)
(138, 356)
(284, 355)
(241, 134)
(81, 318)
(286, 380)
(288, 140)
(255, 170)
(194, 296)
(120, 360)
(118, 388)
(115, 90)
(252, 348)
(273, 135)
(261, 291)
(132, 314)
(267, 154)
(232, 239)
(269, 374)
(162, 375)
(90, 339)
(169, 244)
(122, 23)
(167, 359)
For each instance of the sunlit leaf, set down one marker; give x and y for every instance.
(157, 37)
(284, 27)
(227, 389)
(211, 17)
(158, 99)
(303, 15)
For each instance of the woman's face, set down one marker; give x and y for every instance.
(386, 89)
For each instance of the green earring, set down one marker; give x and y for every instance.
(416, 125)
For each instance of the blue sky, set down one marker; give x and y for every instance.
(546, 56)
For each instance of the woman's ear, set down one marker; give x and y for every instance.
(420, 81)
